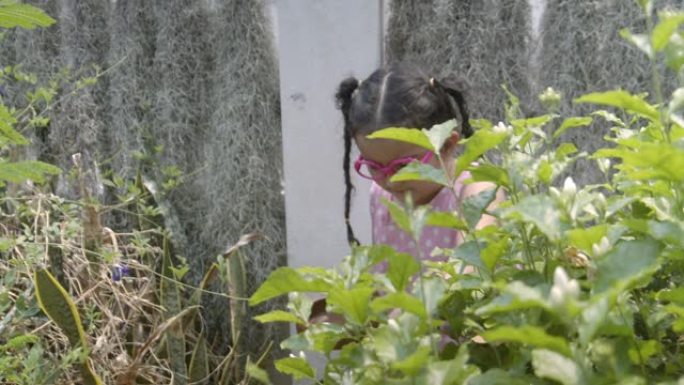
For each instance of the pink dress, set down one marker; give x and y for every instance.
(385, 231)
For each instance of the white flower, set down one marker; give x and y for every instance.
(601, 248)
(564, 288)
(502, 128)
(569, 187)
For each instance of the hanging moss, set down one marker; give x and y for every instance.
(484, 43)
(582, 52)
(190, 88)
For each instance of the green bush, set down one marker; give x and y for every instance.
(573, 285)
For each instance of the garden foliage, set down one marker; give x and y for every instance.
(572, 285)
(84, 303)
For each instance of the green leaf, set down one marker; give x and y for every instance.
(535, 122)
(490, 173)
(675, 295)
(279, 316)
(583, 239)
(545, 171)
(626, 264)
(7, 130)
(23, 15)
(439, 133)
(451, 372)
(572, 123)
(516, 296)
(433, 290)
(528, 335)
(399, 300)
(296, 367)
(19, 172)
(640, 41)
(285, 280)
(669, 232)
(674, 52)
(469, 252)
(401, 267)
(353, 303)
(668, 24)
(564, 150)
(474, 206)
(58, 305)
(648, 161)
(497, 377)
(414, 363)
(198, 369)
(257, 373)
(421, 171)
(491, 254)
(646, 349)
(539, 210)
(622, 99)
(445, 219)
(479, 143)
(551, 365)
(399, 215)
(407, 135)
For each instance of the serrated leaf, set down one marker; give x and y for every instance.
(19, 172)
(668, 24)
(353, 303)
(421, 171)
(528, 335)
(399, 300)
(554, 366)
(285, 280)
(407, 135)
(474, 206)
(279, 316)
(401, 267)
(578, 121)
(622, 99)
(7, 130)
(24, 16)
(296, 367)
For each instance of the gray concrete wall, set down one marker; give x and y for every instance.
(320, 42)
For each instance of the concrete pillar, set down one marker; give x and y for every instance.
(320, 42)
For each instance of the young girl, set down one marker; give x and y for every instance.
(402, 97)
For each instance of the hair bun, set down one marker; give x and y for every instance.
(345, 92)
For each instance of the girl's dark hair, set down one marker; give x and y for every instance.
(395, 97)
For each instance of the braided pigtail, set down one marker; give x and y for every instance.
(458, 97)
(344, 98)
